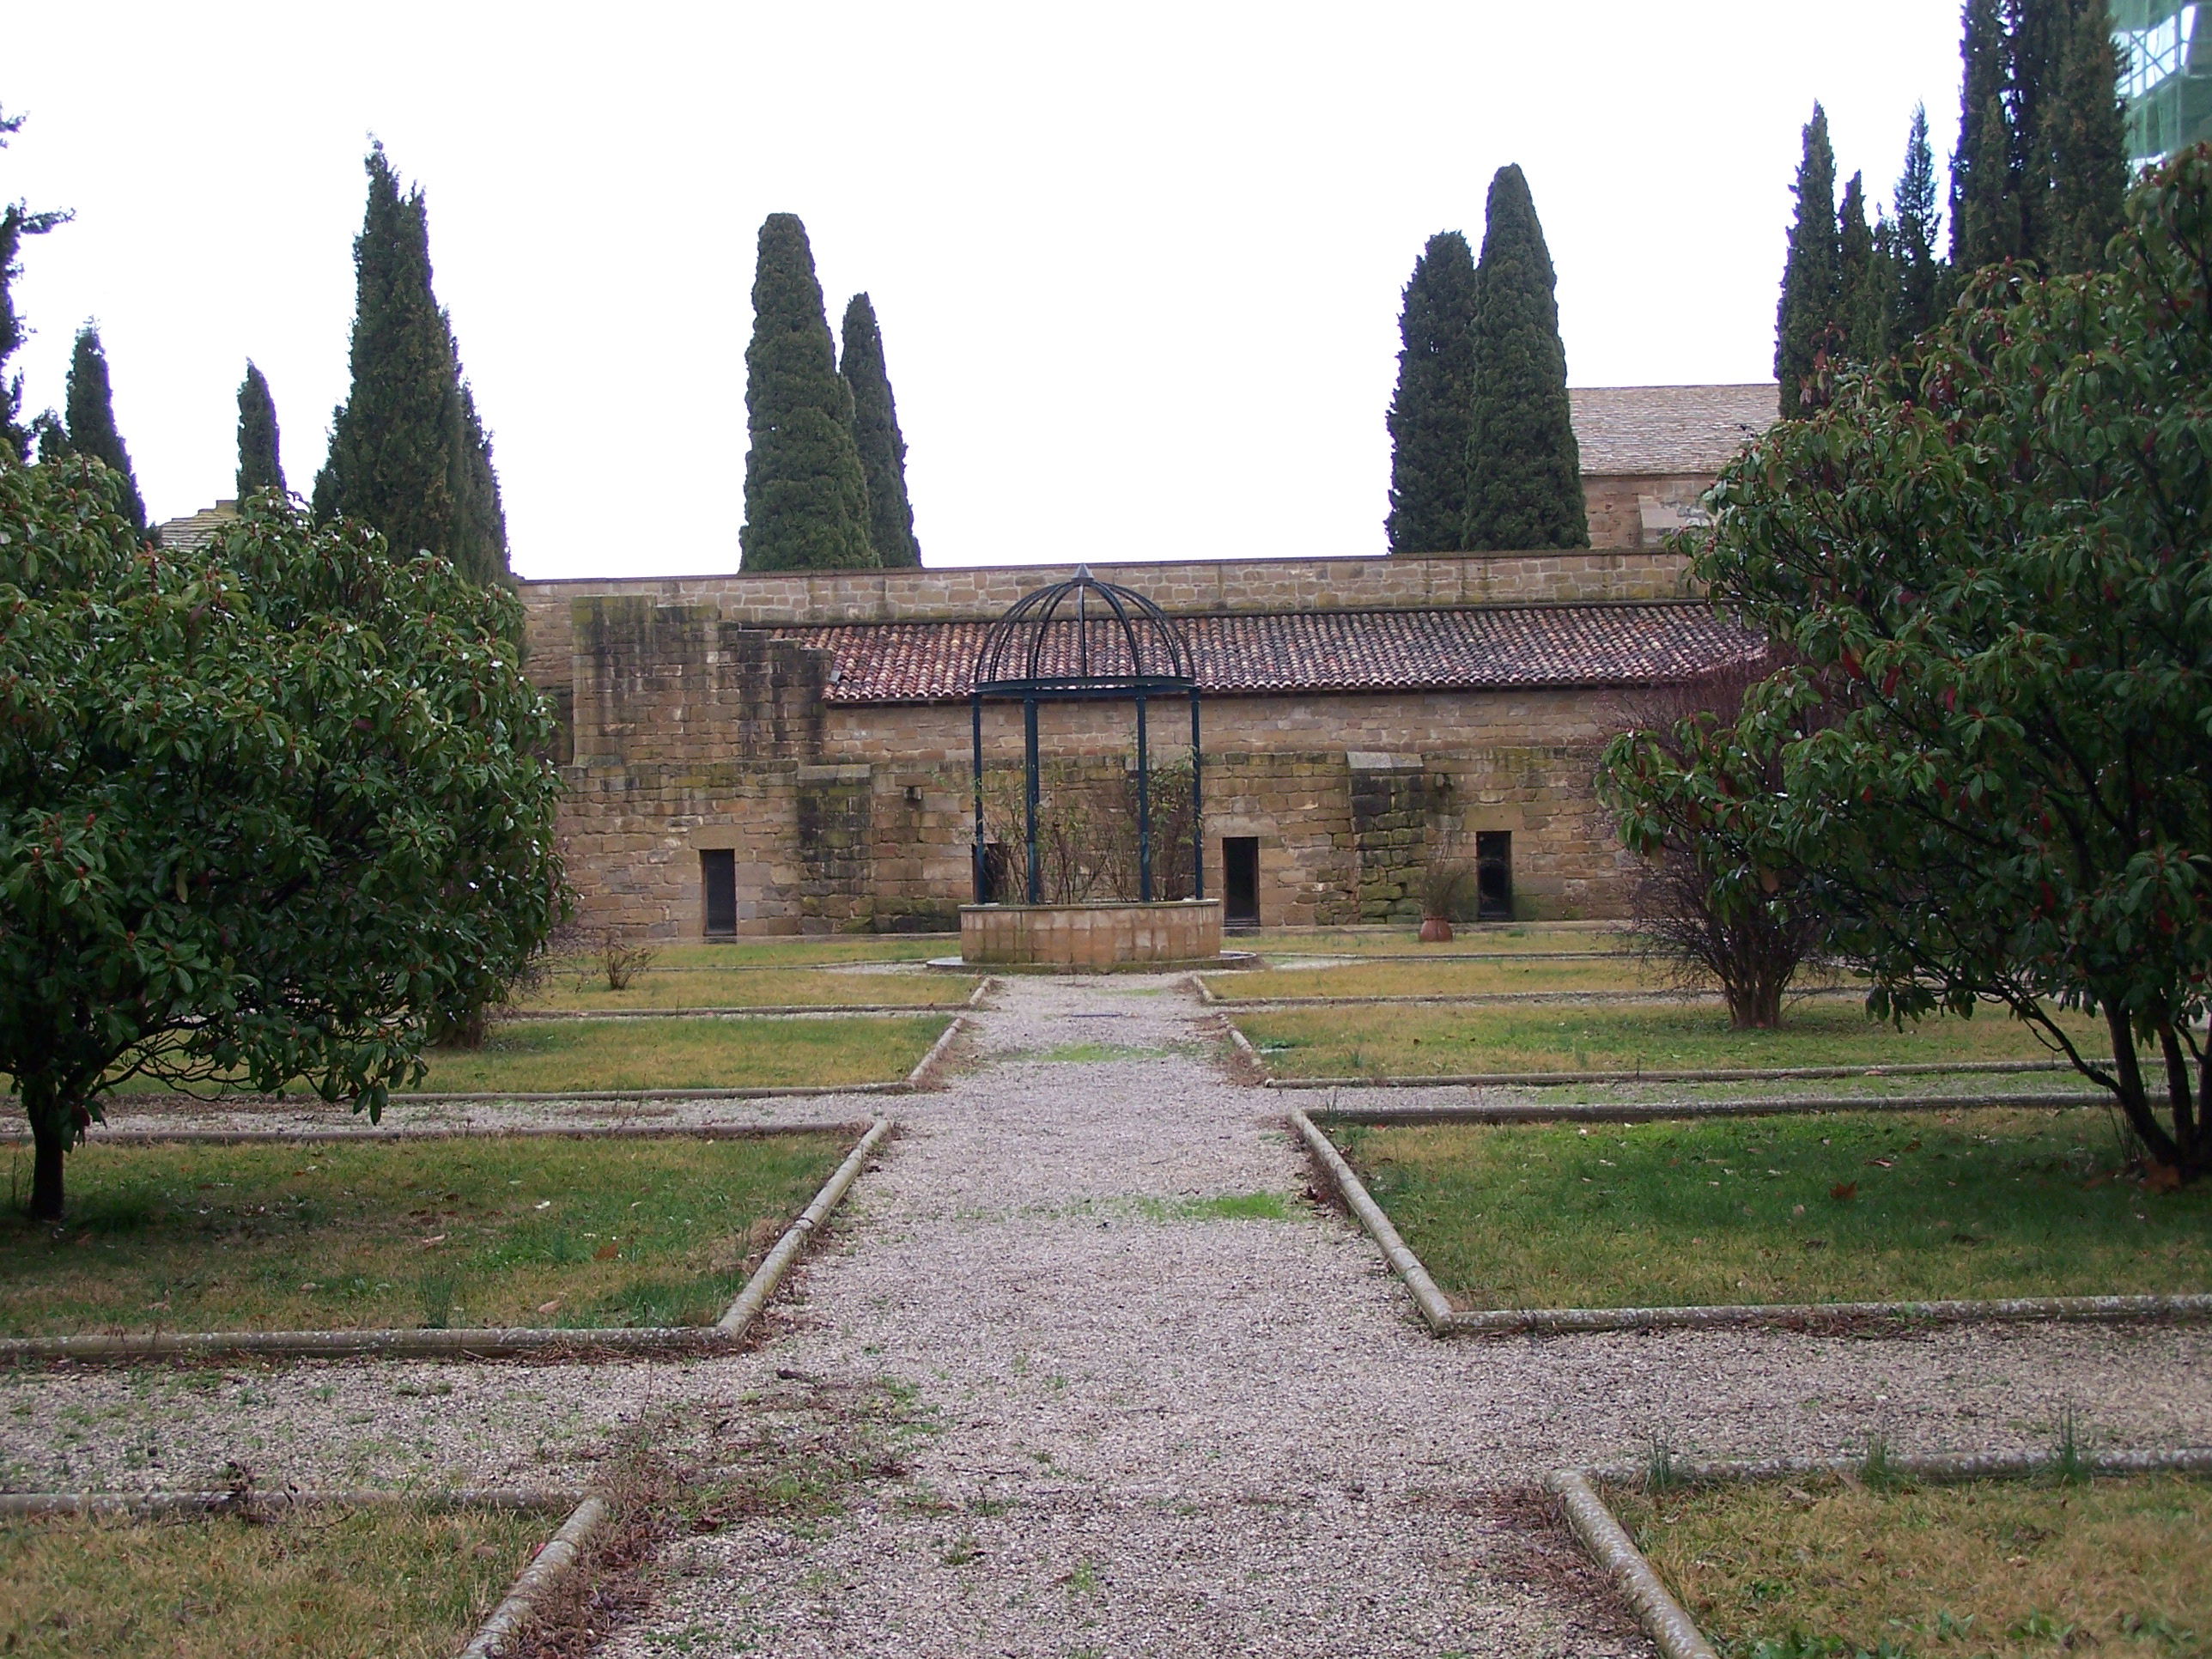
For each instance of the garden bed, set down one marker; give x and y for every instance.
(1844, 1206)
(1362, 1042)
(1825, 1565)
(545, 1233)
(399, 1580)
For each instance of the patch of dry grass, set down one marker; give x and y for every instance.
(1424, 1040)
(1791, 1571)
(1489, 938)
(393, 1582)
(323, 1235)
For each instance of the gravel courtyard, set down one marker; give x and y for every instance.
(1066, 1404)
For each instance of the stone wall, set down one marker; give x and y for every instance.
(691, 730)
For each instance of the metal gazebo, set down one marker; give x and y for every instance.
(1085, 641)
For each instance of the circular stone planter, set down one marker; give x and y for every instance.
(1092, 939)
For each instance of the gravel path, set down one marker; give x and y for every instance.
(1039, 1394)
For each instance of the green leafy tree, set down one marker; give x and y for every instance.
(806, 494)
(1919, 275)
(408, 455)
(1524, 485)
(1994, 569)
(1868, 282)
(1432, 412)
(266, 805)
(1704, 912)
(1811, 274)
(17, 221)
(875, 434)
(258, 465)
(89, 414)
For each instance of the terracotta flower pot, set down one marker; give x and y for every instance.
(1435, 930)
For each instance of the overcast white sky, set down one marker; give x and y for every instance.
(1138, 265)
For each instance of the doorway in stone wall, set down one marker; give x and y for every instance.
(1493, 875)
(718, 881)
(1240, 881)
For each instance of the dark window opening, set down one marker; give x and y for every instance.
(1493, 875)
(717, 873)
(1240, 880)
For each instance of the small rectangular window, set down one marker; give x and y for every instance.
(1493, 875)
(718, 875)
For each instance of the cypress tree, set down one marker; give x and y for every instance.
(2087, 132)
(1912, 239)
(1812, 276)
(806, 495)
(89, 414)
(1986, 221)
(258, 465)
(1862, 307)
(1431, 413)
(16, 222)
(875, 434)
(1525, 486)
(407, 450)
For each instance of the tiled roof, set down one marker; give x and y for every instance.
(1669, 428)
(1488, 648)
(199, 527)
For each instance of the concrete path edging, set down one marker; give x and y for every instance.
(377, 1135)
(920, 1076)
(1664, 1620)
(32, 1504)
(1735, 1074)
(764, 1011)
(1648, 1111)
(1444, 1320)
(552, 1563)
(645, 1341)
(1669, 1625)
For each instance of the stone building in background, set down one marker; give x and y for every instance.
(787, 753)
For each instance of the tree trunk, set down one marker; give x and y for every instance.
(2135, 1100)
(50, 1131)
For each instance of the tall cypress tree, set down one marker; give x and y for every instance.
(1812, 276)
(407, 450)
(806, 495)
(1524, 485)
(2088, 143)
(16, 222)
(1986, 219)
(258, 465)
(1864, 279)
(89, 414)
(1431, 413)
(1919, 291)
(875, 434)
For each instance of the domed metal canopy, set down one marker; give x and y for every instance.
(1083, 637)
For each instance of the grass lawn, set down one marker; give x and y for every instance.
(1407, 940)
(525, 1056)
(2119, 1565)
(1990, 1203)
(790, 951)
(1422, 1040)
(440, 1233)
(1444, 977)
(754, 988)
(403, 1583)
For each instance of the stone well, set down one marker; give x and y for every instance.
(1091, 938)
